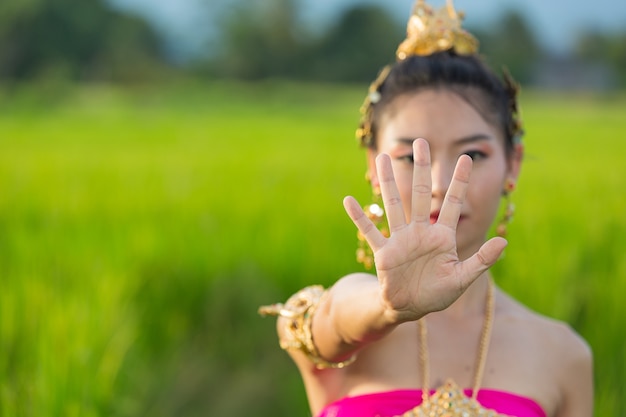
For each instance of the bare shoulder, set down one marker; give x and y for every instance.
(561, 355)
(557, 336)
(553, 335)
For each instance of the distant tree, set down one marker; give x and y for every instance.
(362, 42)
(260, 40)
(268, 40)
(511, 44)
(77, 39)
(604, 48)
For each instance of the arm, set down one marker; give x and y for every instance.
(328, 326)
(417, 268)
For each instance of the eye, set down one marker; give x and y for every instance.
(476, 155)
(406, 158)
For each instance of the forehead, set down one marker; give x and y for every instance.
(435, 114)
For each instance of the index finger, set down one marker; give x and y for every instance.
(372, 235)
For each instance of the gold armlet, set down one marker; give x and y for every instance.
(299, 311)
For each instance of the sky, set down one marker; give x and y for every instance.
(557, 23)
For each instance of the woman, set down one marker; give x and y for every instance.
(374, 345)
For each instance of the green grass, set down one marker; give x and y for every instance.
(141, 228)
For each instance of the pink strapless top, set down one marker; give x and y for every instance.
(394, 403)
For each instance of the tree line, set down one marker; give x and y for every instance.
(85, 40)
(73, 39)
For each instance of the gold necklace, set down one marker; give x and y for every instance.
(449, 400)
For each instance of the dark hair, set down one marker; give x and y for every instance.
(466, 75)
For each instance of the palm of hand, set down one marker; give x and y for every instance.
(417, 266)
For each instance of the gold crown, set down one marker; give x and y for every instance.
(430, 31)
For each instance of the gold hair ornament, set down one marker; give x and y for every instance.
(364, 132)
(297, 332)
(512, 87)
(429, 31)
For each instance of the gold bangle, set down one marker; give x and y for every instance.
(299, 311)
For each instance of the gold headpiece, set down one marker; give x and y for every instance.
(430, 31)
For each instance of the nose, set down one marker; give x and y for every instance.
(441, 173)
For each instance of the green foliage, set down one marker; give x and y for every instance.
(605, 48)
(363, 41)
(267, 40)
(141, 229)
(74, 39)
(511, 43)
(53, 41)
(261, 40)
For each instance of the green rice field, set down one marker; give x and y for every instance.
(141, 227)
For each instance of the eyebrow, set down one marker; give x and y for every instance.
(478, 137)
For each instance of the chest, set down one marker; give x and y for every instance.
(514, 361)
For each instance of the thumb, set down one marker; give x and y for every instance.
(487, 255)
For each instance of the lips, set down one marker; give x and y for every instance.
(434, 216)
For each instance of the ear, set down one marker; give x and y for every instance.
(515, 162)
(371, 168)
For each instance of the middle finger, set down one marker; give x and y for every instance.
(422, 182)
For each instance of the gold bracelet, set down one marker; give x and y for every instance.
(299, 310)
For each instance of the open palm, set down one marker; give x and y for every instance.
(417, 265)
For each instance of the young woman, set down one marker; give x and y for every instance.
(443, 147)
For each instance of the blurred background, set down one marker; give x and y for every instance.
(168, 166)
(555, 45)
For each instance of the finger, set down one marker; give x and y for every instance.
(391, 195)
(372, 235)
(422, 182)
(451, 208)
(487, 255)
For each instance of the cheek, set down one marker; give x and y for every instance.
(484, 195)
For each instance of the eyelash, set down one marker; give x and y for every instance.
(475, 155)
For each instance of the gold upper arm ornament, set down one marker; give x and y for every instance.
(297, 333)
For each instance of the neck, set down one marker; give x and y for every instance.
(472, 302)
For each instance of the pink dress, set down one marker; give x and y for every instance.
(393, 403)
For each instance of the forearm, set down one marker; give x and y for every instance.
(350, 316)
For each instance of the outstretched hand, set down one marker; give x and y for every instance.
(417, 265)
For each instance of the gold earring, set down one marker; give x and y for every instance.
(376, 214)
(509, 209)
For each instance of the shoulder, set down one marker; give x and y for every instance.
(553, 335)
(562, 354)
(573, 367)
(514, 310)
(572, 361)
(356, 278)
